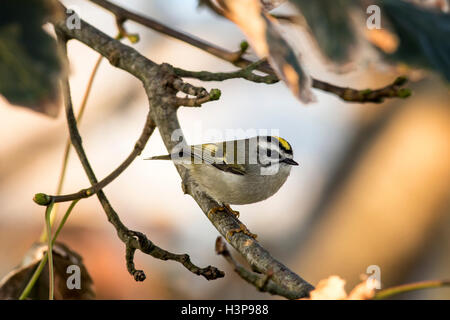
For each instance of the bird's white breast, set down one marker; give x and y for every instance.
(230, 188)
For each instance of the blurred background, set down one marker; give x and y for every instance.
(372, 188)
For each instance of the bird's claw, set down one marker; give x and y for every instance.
(224, 208)
(214, 211)
(242, 229)
(233, 212)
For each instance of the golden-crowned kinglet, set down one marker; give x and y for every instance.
(237, 171)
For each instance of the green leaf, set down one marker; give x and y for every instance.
(29, 62)
(330, 25)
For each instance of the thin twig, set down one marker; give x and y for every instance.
(262, 282)
(189, 89)
(386, 293)
(213, 95)
(44, 259)
(62, 173)
(201, 95)
(132, 239)
(158, 83)
(244, 73)
(149, 127)
(393, 90)
(123, 33)
(51, 277)
(124, 15)
(347, 94)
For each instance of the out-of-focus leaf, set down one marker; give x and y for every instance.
(266, 4)
(423, 33)
(365, 290)
(29, 62)
(383, 39)
(12, 285)
(271, 4)
(330, 24)
(210, 5)
(263, 35)
(441, 5)
(332, 288)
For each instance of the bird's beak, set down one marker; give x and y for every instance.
(290, 162)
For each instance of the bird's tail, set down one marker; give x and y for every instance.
(164, 157)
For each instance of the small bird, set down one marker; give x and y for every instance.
(237, 171)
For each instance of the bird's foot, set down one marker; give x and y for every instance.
(215, 210)
(242, 228)
(233, 212)
(224, 208)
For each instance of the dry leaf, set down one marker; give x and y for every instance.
(271, 4)
(383, 39)
(13, 284)
(363, 291)
(331, 288)
(265, 37)
(30, 65)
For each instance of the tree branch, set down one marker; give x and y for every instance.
(158, 81)
(244, 73)
(262, 282)
(149, 127)
(163, 108)
(132, 239)
(347, 94)
(393, 90)
(200, 93)
(387, 293)
(124, 15)
(213, 95)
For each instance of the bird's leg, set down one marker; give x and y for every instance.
(223, 208)
(242, 228)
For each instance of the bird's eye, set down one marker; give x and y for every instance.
(269, 152)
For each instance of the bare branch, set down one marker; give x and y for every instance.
(132, 239)
(393, 90)
(201, 95)
(124, 15)
(158, 81)
(149, 127)
(213, 95)
(347, 94)
(244, 73)
(262, 282)
(389, 292)
(190, 89)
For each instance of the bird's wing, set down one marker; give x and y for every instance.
(208, 153)
(163, 157)
(213, 154)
